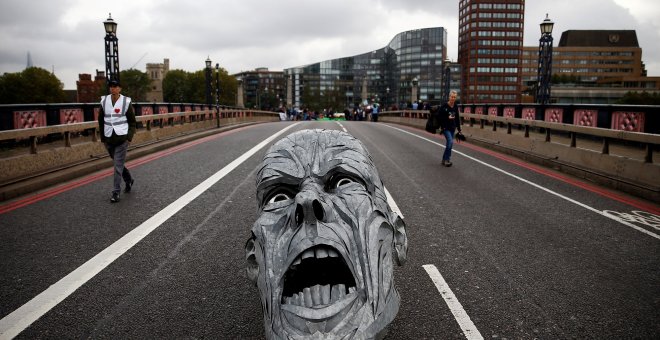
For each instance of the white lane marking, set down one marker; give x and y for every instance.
(14, 323)
(469, 329)
(392, 204)
(636, 216)
(390, 200)
(614, 218)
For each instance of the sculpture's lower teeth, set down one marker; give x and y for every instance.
(319, 296)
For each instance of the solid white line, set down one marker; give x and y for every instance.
(469, 329)
(392, 204)
(614, 218)
(342, 127)
(390, 200)
(14, 323)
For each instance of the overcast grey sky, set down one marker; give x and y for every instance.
(67, 35)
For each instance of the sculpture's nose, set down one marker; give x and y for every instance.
(308, 207)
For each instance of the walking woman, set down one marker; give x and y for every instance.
(450, 121)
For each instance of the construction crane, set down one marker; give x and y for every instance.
(142, 57)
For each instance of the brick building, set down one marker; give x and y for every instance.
(88, 90)
(490, 44)
(591, 66)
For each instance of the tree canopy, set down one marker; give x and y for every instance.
(643, 98)
(135, 84)
(190, 87)
(32, 85)
(36, 85)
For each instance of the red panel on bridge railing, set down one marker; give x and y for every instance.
(163, 109)
(146, 110)
(585, 117)
(529, 113)
(174, 110)
(554, 115)
(69, 116)
(29, 119)
(492, 111)
(467, 110)
(510, 112)
(187, 108)
(628, 121)
(479, 110)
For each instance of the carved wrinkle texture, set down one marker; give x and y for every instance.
(324, 245)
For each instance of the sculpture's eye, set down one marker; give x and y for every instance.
(338, 181)
(344, 181)
(278, 197)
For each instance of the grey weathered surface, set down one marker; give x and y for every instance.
(323, 247)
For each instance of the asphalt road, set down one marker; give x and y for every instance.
(526, 252)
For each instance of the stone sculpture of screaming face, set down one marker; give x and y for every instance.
(322, 250)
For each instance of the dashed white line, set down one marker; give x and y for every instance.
(14, 323)
(469, 329)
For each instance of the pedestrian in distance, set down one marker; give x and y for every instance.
(117, 126)
(450, 121)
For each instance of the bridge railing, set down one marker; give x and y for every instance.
(27, 153)
(649, 141)
(33, 131)
(635, 118)
(615, 158)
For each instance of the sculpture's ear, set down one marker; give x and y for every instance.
(400, 241)
(250, 256)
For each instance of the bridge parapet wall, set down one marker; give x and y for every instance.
(45, 151)
(638, 118)
(622, 159)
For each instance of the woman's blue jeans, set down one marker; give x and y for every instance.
(449, 136)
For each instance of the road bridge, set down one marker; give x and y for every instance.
(498, 247)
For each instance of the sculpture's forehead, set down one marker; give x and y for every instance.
(315, 153)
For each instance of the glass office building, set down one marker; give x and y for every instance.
(408, 69)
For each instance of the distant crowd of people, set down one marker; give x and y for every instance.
(358, 113)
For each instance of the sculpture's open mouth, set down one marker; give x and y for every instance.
(317, 278)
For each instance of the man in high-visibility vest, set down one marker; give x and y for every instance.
(117, 126)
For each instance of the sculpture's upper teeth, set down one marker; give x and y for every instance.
(307, 254)
(319, 252)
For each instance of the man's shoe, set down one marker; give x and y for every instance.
(114, 198)
(129, 186)
(446, 163)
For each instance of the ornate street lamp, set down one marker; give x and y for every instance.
(446, 81)
(208, 81)
(545, 62)
(240, 93)
(217, 93)
(415, 83)
(387, 98)
(111, 50)
(267, 99)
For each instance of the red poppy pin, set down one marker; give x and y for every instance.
(116, 110)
